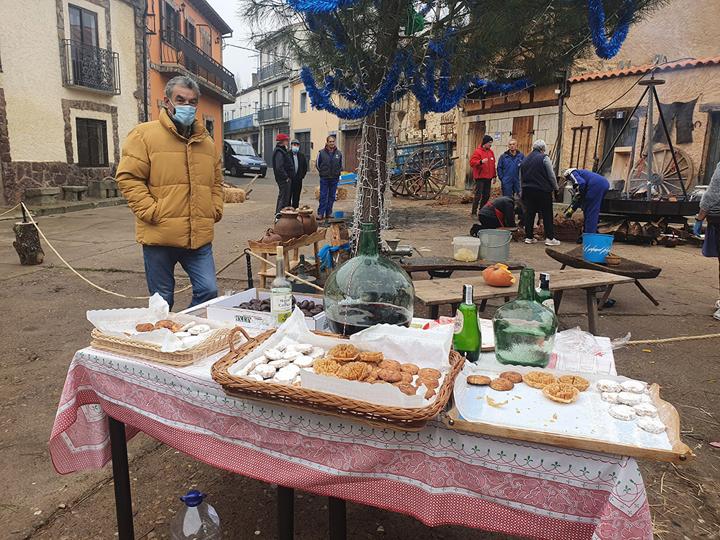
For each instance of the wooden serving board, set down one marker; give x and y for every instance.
(666, 412)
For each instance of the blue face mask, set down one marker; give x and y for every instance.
(295, 149)
(185, 114)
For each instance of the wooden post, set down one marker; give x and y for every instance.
(27, 244)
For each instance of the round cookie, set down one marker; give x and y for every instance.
(429, 373)
(410, 368)
(390, 375)
(512, 376)
(389, 364)
(478, 380)
(501, 385)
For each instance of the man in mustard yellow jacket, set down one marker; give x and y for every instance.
(171, 175)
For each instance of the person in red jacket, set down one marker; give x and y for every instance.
(483, 166)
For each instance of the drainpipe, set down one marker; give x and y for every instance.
(561, 110)
(145, 63)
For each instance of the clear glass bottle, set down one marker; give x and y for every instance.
(543, 294)
(368, 289)
(280, 291)
(466, 339)
(524, 329)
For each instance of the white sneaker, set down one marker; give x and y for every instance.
(717, 314)
(530, 241)
(717, 304)
(552, 242)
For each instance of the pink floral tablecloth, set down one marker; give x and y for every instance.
(437, 475)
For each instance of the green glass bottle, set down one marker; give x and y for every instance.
(543, 294)
(524, 329)
(467, 340)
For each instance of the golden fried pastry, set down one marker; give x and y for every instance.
(371, 357)
(580, 383)
(370, 374)
(562, 393)
(407, 389)
(512, 376)
(352, 371)
(501, 385)
(164, 323)
(429, 383)
(430, 393)
(478, 380)
(429, 373)
(538, 379)
(406, 377)
(389, 364)
(326, 366)
(144, 327)
(344, 353)
(390, 375)
(410, 368)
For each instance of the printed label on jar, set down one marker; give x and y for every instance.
(459, 321)
(281, 304)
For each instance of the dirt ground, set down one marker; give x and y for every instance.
(44, 324)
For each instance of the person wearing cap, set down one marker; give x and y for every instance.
(329, 165)
(283, 171)
(300, 168)
(483, 167)
(589, 191)
(537, 184)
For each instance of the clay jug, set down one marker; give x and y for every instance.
(306, 215)
(271, 237)
(288, 225)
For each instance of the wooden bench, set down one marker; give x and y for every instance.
(73, 193)
(437, 292)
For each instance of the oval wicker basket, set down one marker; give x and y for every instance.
(405, 418)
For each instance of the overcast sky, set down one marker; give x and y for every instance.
(242, 63)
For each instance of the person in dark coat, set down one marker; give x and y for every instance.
(497, 213)
(329, 165)
(483, 166)
(283, 170)
(538, 182)
(590, 189)
(508, 169)
(300, 168)
(710, 210)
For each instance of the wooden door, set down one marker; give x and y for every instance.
(712, 156)
(351, 150)
(523, 131)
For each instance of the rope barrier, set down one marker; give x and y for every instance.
(8, 211)
(293, 276)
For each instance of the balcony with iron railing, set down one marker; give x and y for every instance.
(273, 70)
(180, 55)
(90, 67)
(243, 123)
(275, 113)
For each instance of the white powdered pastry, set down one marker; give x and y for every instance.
(182, 334)
(262, 359)
(304, 361)
(651, 425)
(290, 354)
(316, 352)
(284, 343)
(274, 354)
(256, 377)
(199, 329)
(287, 374)
(637, 387)
(264, 370)
(607, 385)
(303, 348)
(628, 398)
(280, 363)
(247, 368)
(645, 398)
(645, 409)
(622, 412)
(610, 397)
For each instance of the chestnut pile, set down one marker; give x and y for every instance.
(308, 307)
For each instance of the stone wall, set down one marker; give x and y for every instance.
(30, 174)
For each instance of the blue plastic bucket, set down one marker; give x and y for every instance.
(596, 247)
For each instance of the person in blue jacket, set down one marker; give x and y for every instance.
(508, 169)
(590, 189)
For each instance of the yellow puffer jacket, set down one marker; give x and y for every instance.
(173, 185)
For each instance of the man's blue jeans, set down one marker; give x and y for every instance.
(160, 264)
(328, 189)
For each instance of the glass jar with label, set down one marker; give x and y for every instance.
(280, 291)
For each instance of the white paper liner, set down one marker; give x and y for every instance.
(425, 348)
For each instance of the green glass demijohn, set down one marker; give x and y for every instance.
(368, 289)
(524, 328)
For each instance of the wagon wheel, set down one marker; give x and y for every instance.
(398, 185)
(665, 178)
(426, 174)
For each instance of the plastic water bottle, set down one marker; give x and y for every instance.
(197, 520)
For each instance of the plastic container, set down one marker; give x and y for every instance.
(596, 247)
(466, 248)
(494, 245)
(197, 520)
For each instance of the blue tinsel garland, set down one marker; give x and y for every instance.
(604, 47)
(320, 6)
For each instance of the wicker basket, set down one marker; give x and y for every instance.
(215, 343)
(405, 418)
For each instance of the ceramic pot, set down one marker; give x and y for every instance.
(288, 226)
(271, 237)
(306, 215)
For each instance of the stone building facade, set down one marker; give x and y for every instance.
(71, 88)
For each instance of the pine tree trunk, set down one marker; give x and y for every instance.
(372, 180)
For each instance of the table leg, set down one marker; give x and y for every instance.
(483, 304)
(454, 308)
(121, 479)
(317, 259)
(646, 292)
(563, 267)
(434, 312)
(557, 299)
(592, 311)
(337, 519)
(285, 512)
(601, 303)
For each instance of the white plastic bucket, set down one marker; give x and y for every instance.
(466, 248)
(494, 245)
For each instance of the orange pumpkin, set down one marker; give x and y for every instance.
(498, 275)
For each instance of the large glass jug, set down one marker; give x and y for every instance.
(524, 328)
(368, 289)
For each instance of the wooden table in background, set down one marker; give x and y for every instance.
(437, 292)
(436, 266)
